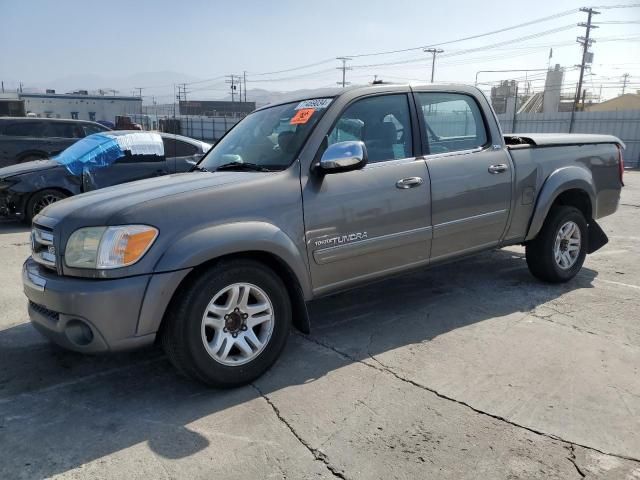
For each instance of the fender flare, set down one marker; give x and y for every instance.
(560, 180)
(200, 246)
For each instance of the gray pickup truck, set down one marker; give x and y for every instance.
(301, 199)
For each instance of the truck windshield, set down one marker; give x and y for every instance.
(266, 140)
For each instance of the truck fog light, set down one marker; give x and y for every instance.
(78, 332)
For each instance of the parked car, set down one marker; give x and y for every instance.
(362, 183)
(27, 188)
(27, 139)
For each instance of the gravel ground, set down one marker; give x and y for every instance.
(468, 370)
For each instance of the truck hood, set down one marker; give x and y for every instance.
(97, 207)
(27, 167)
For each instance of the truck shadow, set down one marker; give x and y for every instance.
(60, 410)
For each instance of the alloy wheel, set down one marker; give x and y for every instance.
(237, 324)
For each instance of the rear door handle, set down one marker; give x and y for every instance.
(498, 168)
(409, 182)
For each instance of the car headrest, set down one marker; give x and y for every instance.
(384, 132)
(285, 141)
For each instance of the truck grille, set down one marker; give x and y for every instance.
(43, 250)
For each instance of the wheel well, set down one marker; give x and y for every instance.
(275, 263)
(576, 198)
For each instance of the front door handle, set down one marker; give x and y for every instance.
(498, 168)
(409, 182)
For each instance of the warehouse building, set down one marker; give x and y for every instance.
(79, 105)
(211, 108)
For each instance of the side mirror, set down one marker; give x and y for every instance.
(343, 157)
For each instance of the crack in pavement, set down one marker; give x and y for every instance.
(317, 454)
(385, 369)
(548, 319)
(572, 459)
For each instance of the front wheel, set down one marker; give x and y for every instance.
(557, 253)
(230, 324)
(42, 199)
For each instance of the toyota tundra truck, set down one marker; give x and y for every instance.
(306, 197)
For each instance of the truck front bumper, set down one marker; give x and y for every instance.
(93, 316)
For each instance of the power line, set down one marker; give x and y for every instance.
(293, 69)
(472, 37)
(617, 22)
(471, 50)
(295, 77)
(624, 5)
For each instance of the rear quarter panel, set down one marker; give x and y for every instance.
(541, 174)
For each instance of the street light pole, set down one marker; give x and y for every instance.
(433, 52)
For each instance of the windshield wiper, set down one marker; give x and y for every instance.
(254, 167)
(198, 168)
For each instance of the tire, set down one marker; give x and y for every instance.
(40, 200)
(196, 350)
(541, 252)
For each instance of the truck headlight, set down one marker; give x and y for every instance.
(108, 247)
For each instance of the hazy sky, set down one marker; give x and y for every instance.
(44, 41)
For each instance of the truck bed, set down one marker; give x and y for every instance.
(536, 156)
(532, 140)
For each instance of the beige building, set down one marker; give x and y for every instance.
(628, 101)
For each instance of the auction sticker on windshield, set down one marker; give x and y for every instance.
(302, 116)
(316, 103)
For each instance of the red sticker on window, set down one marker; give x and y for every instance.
(302, 116)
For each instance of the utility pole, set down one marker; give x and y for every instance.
(184, 91)
(433, 52)
(139, 96)
(244, 80)
(344, 69)
(232, 81)
(624, 82)
(586, 42)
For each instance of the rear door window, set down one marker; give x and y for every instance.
(91, 129)
(453, 122)
(64, 130)
(177, 148)
(184, 149)
(24, 129)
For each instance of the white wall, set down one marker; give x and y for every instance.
(62, 106)
(624, 124)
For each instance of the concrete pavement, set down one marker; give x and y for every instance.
(468, 370)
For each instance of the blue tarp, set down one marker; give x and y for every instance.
(96, 150)
(101, 150)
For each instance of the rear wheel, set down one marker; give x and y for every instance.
(230, 324)
(558, 252)
(42, 199)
